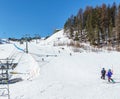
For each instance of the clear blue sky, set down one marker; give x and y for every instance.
(20, 17)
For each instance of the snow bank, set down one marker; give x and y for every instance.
(6, 50)
(34, 69)
(27, 68)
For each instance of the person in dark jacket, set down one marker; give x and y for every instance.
(109, 75)
(103, 72)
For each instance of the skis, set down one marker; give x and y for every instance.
(112, 81)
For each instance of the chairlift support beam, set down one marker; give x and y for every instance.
(4, 73)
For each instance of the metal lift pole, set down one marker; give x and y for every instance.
(26, 45)
(8, 79)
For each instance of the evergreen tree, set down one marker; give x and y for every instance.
(80, 22)
(113, 13)
(97, 25)
(89, 27)
(118, 26)
(104, 22)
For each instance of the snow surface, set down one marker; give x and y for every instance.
(50, 72)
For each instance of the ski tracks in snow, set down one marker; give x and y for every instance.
(46, 54)
(54, 89)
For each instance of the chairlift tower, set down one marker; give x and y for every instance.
(4, 76)
(26, 40)
(26, 45)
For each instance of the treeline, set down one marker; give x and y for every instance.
(99, 25)
(25, 38)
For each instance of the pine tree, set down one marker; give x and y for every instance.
(113, 13)
(104, 22)
(118, 26)
(99, 24)
(89, 27)
(80, 22)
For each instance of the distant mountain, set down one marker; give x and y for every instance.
(4, 41)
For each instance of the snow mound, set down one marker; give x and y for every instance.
(28, 68)
(34, 69)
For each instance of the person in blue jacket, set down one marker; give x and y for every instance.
(109, 75)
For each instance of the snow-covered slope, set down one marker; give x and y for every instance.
(50, 72)
(61, 39)
(58, 37)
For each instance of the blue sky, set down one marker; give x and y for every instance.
(20, 17)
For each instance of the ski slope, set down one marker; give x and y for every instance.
(61, 75)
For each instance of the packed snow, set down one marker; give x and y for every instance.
(56, 72)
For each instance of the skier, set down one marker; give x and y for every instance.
(109, 75)
(103, 72)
